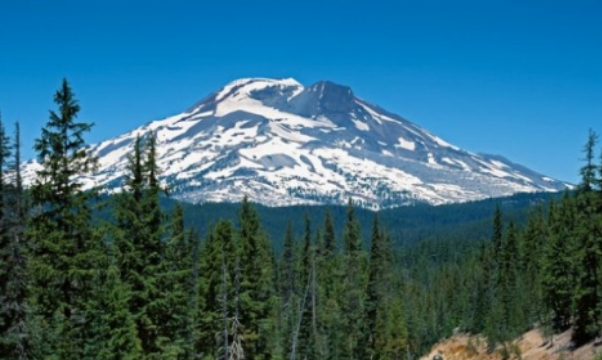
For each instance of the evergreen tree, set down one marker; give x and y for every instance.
(378, 266)
(288, 288)
(512, 323)
(497, 239)
(218, 272)
(14, 337)
(330, 241)
(305, 276)
(390, 336)
(256, 289)
(532, 250)
(139, 242)
(589, 235)
(117, 336)
(63, 244)
(175, 280)
(484, 293)
(353, 291)
(558, 270)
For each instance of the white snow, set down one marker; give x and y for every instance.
(405, 144)
(431, 159)
(499, 164)
(361, 125)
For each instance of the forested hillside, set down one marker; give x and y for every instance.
(406, 224)
(144, 283)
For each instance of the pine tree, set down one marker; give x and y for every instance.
(512, 323)
(257, 298)
(378, 266)
(532, 250)
(14, 337)
(330, 241)
(305, 272)
(558, 270)
(288, 287)
(63, 244)
(484, 292)
(588, 232)
(174, 282)
(497, 239)
(353, 292)
(391, 335)
(218, 272)
(117, 334)
(139, 242)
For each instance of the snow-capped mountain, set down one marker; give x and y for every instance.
(282, 143)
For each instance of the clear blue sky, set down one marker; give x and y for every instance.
(519, 78)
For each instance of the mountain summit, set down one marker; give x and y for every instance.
(282, 143)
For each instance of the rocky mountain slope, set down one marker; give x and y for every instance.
(282, 143)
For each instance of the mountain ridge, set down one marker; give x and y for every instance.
(282, 143)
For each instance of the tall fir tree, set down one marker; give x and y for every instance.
(139, 242)
(353, 292)
(14, 338)
(306, 295)
(257, 297)
(558, 276)
(218, 272)
(588, 232)
(288, 288)
(63, 245)
(174, 281)
(377, 268)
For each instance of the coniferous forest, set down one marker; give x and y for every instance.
(141, 285)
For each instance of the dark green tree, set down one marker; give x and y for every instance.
(353, 288)
(589, 237)
(288, 288)
(139, 242)
(330, 240)
(176, 272)
(257, 297)
(558, 270)
(14, 337)
(218, 272)
(63, 247)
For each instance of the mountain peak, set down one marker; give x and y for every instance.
(282, 143)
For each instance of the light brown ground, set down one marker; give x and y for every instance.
(531, 344)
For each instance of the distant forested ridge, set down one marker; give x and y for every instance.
(137, 276)
(406, 224)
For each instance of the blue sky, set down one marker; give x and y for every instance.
(517, 78)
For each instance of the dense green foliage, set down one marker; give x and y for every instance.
(126, 277)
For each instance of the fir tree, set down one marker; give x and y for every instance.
(330, 241)
(175, 279)
(63, 244)
(218, 272)
(588, 232)
(138, 238)
(558, 270)
(256, 288)
(307, 256)
(288, 287)
(14, 337)
(353, 292)
(376, 286)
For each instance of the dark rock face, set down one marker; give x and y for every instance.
(325, 98)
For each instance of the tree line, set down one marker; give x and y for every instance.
(141, 285)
